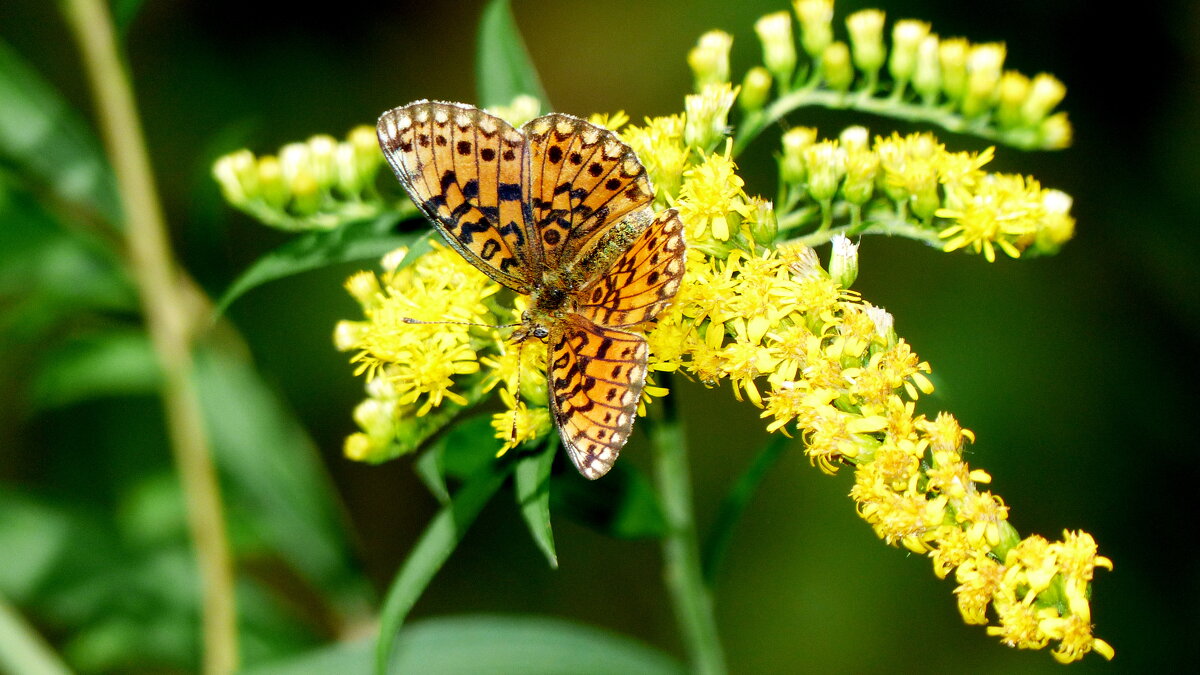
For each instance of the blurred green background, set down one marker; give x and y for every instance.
(1072, 370)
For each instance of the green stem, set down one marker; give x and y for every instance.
(892, 227)
(682, 571)
(166, 305)
(1024, 138)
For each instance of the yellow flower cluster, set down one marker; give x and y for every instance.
(318, 184)
(952, 80)
(412, 368)
(946, 192)
(816, 358)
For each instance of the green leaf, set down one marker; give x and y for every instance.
(432, 550)
(359, 240)
(431, 471)
(49, 271)
(623, 505)
(716, 545)
(503, 69)
(278, 475)
(468, 447)
(462, 645)
(35, 537)
(532, 479)
(47, 140)
(115, 363)
(22, 650)
(463, 451)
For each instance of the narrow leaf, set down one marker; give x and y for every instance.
(116, 363)
(431, 551)
(716, 545)
(430, 470)
(22, 650)
(463, 451)
(462, 645)
(532, 479)
(360, 240)
(503, 68)
(47, 140)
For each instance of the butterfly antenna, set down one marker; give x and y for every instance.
(458, 323)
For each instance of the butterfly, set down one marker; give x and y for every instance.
(558, 210)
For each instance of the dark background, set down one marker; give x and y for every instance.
(1076, 371)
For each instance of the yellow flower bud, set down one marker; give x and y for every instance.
(843, 260)
(1056, 131)
(1014, 90)
(306, 193)
(835, 62)
(907, 35)
(826, 165)
(323, 160)
(364, 287)
(1045, 93)
(927, 75)
(952, 56)
(854, 138)
(709, 59)
(293, 159)
(237, 176)
(366, 150)
(756, 89)
(791, 162)
(779, 49)
(763, 224)
(349, 335)
(272, 188)
(708, 115)
(522, 109)
(866, 37)
(349, 180)
(984, 65)
(816, 25)
(862, 167)
(1058, 226)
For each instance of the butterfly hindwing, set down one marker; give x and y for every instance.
(642, 281)
(464, 169)
(596, 378)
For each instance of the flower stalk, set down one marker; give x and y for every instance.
(683, 573)
(165, 304)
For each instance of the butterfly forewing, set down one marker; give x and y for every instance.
(582, 180)
(642, 281)
(596, 378)
(464, 169)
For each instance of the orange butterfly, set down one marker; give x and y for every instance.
(559, 211)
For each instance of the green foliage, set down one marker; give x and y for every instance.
(503, 69)
(115, 583)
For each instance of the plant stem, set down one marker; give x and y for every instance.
(682, 571)
(1025, 139)
(165, 304)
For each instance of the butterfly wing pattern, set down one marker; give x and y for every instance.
(558, 210)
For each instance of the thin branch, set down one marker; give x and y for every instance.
(169, 323)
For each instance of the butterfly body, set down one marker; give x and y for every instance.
(559, 211)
